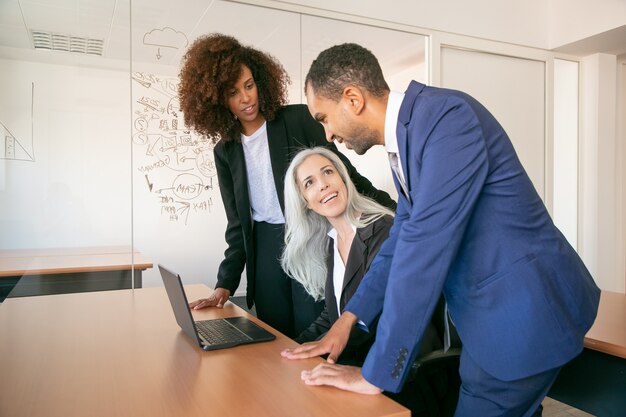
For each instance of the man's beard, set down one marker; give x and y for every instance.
(362, 138)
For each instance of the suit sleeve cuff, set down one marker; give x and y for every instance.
(365, 316)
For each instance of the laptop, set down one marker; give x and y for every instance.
(210, 334)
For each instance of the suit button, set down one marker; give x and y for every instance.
(395, 374)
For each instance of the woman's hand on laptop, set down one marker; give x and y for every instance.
(217, 299)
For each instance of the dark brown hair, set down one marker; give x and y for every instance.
(343, 65)
(211, 66)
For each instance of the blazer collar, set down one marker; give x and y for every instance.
(329, 290)
(402, 131)
(237, 161)
(410, 95)
(279, 147)
(358, 253)
(356, 262)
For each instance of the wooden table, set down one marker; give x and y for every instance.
(65, 270)
(595, 381)
(121, 353)
(608, 333)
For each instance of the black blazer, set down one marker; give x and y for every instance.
(364, 248)
(292, 130)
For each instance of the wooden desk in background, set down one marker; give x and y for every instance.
(595, 381)
(66, 270)
(608, 333)
(121, 353)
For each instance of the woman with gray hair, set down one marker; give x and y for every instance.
(332, 235)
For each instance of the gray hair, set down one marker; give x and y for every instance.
(306, 232)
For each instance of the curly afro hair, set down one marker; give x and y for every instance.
(212, 65)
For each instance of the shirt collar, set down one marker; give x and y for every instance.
(332, 233)
(260, 131)
(391, 120)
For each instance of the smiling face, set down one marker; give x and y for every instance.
(340, 122)
(243, 102)
(322, 187)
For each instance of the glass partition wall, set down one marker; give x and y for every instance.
(100, 179)
(65, 161)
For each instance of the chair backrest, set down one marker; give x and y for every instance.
(434, 382)
(439, 319)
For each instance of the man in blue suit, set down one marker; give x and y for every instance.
(469, 223)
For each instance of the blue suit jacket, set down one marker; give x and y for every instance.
(474, 227)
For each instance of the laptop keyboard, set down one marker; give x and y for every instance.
(218, 332)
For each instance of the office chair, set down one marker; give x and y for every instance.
(432, 387)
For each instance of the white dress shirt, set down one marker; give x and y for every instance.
(339, 270)
(391, 122)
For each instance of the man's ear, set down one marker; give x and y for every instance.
(354, 98)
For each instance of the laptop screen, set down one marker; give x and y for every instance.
(180, 305)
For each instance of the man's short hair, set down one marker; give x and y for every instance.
(343, 65)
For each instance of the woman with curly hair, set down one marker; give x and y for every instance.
(237, 95)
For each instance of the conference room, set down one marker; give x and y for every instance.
(101, 181)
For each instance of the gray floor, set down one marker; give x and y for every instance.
(553, 408)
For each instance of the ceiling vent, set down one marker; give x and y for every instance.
(68, 43)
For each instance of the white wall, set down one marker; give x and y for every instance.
(573, 20)
(537, 23)
(513, 89)
(523, 23)
(566, 178)
(621, 171)
(67, 184)
(600, 239)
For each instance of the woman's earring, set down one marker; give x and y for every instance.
(235, 116)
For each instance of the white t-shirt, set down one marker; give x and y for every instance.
(261, 187)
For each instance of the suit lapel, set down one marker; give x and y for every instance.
(238, 166)
(358, 254)
(403, 148)
(277, 142)
(329, 291)
(402, 133)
